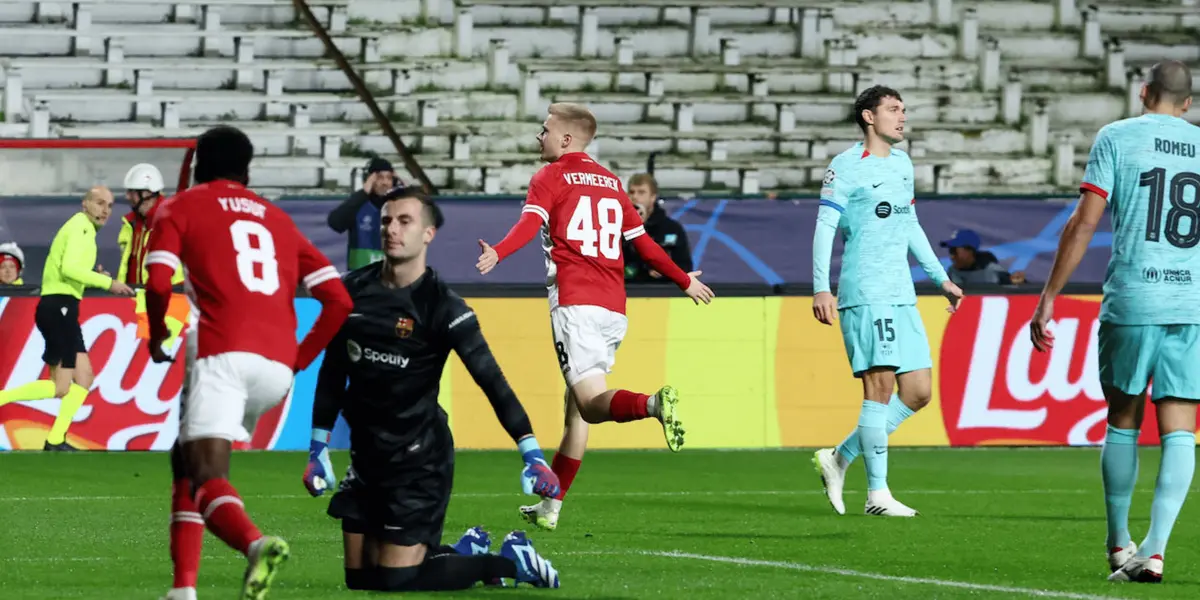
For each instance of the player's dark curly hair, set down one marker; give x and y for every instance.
(430, 211)
(870, 99)
(223, 152)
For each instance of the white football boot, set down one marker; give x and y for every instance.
(1117, 557)
(1139, 569)
(544, 514)
(828, 464)
(180, 594)
(880, 503)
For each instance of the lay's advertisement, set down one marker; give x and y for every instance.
(752, 373)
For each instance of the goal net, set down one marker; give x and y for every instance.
(43, 180)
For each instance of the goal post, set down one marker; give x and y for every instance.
(68, 167)
(43, 180)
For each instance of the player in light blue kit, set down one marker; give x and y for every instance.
(1146, 168)
(868, 196)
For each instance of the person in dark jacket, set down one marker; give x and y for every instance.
(358, 215)
(664, 230)
(970, 265)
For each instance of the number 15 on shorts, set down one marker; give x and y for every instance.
(885, 331)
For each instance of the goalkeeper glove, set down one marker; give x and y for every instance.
(536, 477)
(319, 477)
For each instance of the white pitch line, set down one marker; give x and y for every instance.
(733, 560)
(668, 494)
(963, 585)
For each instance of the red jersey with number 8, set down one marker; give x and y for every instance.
(243, 258)
(586, 216)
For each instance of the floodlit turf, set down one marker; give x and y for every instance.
(636, 525)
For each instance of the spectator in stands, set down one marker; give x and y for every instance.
(12, 262)
(664, 230)
(359, 214)
(970, 265)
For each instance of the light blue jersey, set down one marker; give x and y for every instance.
(870, 200)
(1146, 167)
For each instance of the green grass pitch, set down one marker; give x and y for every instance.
(995, 523)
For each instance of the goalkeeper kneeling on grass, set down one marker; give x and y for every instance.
(381, 373)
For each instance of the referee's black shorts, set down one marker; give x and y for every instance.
(407, 507)
(57, 319)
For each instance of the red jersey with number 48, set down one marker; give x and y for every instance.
(586, 216)
(244, 258)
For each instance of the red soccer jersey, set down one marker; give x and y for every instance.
(244, 259)
(586, 215)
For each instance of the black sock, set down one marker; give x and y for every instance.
(446, 572)
(362, 579)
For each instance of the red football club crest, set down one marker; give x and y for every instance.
(404, 327)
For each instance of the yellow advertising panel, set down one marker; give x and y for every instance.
(763, 373)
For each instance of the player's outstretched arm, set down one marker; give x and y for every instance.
(327, 403)
(323, 282)
(1072, 245)
(919, 246)
(522, 233)
(158, 300)
(162, 260)
(539, 200)
(79, 256)
(1099, 178)
(835, 195)
(467, 338)
(657, 258)
(824, 304)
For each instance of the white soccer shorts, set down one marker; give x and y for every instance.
(228, 392)
(586, 339)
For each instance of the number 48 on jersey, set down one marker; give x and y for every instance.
(598, 229)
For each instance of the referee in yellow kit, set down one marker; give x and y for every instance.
(69, 269)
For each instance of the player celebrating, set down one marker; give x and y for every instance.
(1149, 319)
(245, 258)
(393, 349)
(68, 272)
(867, 194)
(584, 213)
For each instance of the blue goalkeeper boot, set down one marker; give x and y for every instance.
(475, 541)
(531, 567)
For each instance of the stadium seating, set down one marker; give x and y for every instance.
(739, 95)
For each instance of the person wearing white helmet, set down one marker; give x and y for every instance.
(144, 191)
(12, 262)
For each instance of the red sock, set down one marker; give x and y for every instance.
(225, 514)
(628, 406)
(187, 534)
(565, 467)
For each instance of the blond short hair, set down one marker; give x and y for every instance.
(644, 179)
(577, 116)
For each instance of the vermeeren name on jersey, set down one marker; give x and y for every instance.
(592, 179)
(357, 353)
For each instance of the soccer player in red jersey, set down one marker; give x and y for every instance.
(583, 213)
(244, 260)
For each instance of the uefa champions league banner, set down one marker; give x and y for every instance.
(752, 372)
(737, 242)
(748, 241)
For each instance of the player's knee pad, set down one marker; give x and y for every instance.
(362, 579)
(396, 579)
